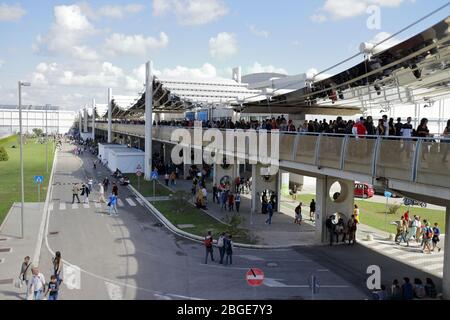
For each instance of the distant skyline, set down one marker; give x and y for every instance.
(73, 51)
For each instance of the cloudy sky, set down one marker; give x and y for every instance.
(72, 52)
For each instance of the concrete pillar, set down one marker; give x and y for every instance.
(326, 206)
(80, 121)
(446, 269)
(109, 115)
(93, 119)
(148, 119)
(86, 116)
(284, 183)
(261, 182)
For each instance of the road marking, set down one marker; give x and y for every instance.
(273, 283)
(74, 205)
(249, 257)
(140, 201)
(62, 206)
(130, 202)
(114, 291)
(119, 202)
(162, 297)
(72, 276)
(50, 207)
(97, 205)
(86, 205)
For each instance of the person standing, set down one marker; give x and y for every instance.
(270, 212)
(37, 284)
(53, 288)
(173, 177)
(351, 227)
(427, 236)
(112, 204)
(101, 193)
(90, 184)
(25, 273)
(106, 183)
(294, 192)
(221, 245)
(298, 214)
(229, 249)
(214, 191)
(75, 191)
(312, 209)
(115, 189)
(166, 179)
(230, 202)
(407, 289)
(208, 242)
(356, 213)
(237, 201)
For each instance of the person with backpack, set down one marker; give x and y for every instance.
(221, 245)
(298, 214)
(229, 249)
(435, 239)
(208, 242)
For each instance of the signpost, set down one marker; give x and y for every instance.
(254, 277)
(39, 180)
(154, 177)
(139, 174)
(387, 194)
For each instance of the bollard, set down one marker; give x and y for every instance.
(369, 237)
(391, 237)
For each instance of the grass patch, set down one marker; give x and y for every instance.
(202, 222)
(147, 187)
(373, 213)
(34, 165)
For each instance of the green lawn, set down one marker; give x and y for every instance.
(34, 164)
(202, 222)
(373, 213)
(147, 187)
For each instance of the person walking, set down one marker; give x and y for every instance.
(427, 236)
(53, 288)
(312, 209)
(208, 242)
(57, 266)
(214, 192)
(229, 246)
(112, 204)
(90, 184)
(173, 177)
(101, 193)
(435, 239)
(403, 231)
(298, 214)
(221, 245)
(356, 213)
(85, 192)
(230, 202)
(237, 201)
(75, 192)
(352, 227)
(37, 284)
(294, 192)
(25, 273)
(223, 198)
(270, 212)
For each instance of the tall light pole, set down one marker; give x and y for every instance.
(20, 85)
(46, 136)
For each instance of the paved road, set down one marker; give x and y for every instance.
(131, 257)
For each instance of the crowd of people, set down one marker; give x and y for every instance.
(407, 290)
(34, 281)
(412, 228)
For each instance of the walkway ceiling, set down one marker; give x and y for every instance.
(413, 71)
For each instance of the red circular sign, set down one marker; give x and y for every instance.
(139, 173)
(254, 277)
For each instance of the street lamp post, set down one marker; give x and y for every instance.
(46, 136)
(20, 85)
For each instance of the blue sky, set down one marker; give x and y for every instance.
(72, 51)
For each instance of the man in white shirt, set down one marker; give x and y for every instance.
(37, 284)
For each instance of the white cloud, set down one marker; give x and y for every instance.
(223, 46)
(258, 68)
(296, 43)
(342, 9)
(119, 12)
(191, 12)
(11, 12)
(318, 18)
(135, 44)
(2, 62)
(70, 28)
(259, 33)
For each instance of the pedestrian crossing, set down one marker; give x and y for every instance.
(412, 255)
(67, 206)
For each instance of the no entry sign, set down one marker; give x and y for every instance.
(255, 277)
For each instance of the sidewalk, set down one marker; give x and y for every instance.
(10, 238)
(282, 232)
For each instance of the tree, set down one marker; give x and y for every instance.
(3, 154)
(38, 132)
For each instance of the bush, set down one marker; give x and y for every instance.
(393, 208)
(3, 154)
